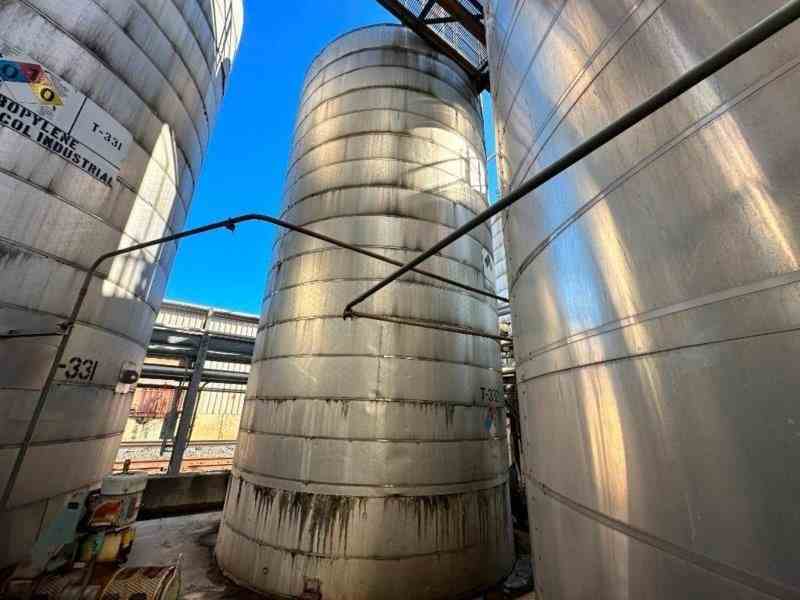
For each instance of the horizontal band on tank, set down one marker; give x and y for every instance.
(661, 351)
(391, 356)
(91, 215)
(382, 186)
(85, 438)
(169, 85)
(119, 180)
(492, 438)
(504, 43)
(648, 160)
(424, 74)
(328, 556)
(176, 51)
(750, 580)
(111, 226)
(345, 399)
(384, 216)
(454, 290)
(79, 43)
(75, 266)
(770, 283)
(378, 247)
(431, 54)
(422, 322)
(590, 63)
(453, 157)
(479, 151)
(331, 249)
(475, 119)
(85, 324)
(393, 158)
(370, 490)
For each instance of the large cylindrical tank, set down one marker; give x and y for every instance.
(107, 108)
(656, 298)
(372, 456)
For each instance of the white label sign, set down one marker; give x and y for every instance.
(40, 106)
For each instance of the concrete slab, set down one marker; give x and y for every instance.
(192, 537)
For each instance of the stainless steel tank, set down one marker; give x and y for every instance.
(656, 298)
(372, 456)
(106, 109)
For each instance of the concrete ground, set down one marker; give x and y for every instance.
(192, 537)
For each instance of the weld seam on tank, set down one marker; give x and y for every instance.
(202, 139)
(282, 399)
(671, 144)
(377, 440)
(477, 148)
(735, 293)
(450, 290)
(346, 557)
(379, 486)
(177, 52)
(269, 324)
(545, 34)
(442, 489)
(727, 571)
(436, 78)
(371, 88)
(300, 255)
(396, 216)
(452, 66)
(299, 177)
(520, 168)
(78, 266)
(62, 441)
(385, 247)
(76, 206)
(86, 324)
(119, 77)
(656, 352)
(264, 358)
(402, 135)
(317, 196)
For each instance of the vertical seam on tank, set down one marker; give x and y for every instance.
(587, 65)
(218, 94)
(674, 142)
(79, 43)
(166, 80)
(193, 34)
(534, 56)
(755, 582)
(176, 50)
(504, 43)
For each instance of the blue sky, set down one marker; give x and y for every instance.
(246, 162)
